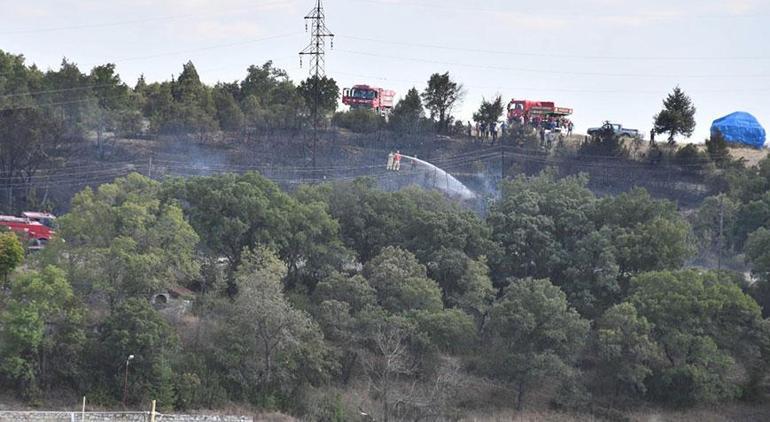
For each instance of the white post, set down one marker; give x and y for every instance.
(152, 414)
(83, 411)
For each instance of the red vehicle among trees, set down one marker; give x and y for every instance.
(368, 97)
(37, 227)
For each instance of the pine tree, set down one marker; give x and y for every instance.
(440, 97)
(408, 113)
(489, 112)
(677, 116)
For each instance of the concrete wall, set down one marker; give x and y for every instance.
(113, 417)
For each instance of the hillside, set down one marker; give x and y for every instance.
(285, 157)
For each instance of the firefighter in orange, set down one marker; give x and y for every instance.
(397, 161)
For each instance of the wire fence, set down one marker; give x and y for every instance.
(78, 416)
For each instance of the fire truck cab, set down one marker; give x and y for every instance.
(368, 97)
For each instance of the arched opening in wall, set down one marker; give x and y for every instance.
(160, 299)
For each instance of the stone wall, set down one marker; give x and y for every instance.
(113, 417)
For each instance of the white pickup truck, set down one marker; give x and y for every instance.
(615, 129)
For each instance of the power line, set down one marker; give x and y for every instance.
(558, 12)
(178, 52)
(549, 55)
(211, 47)
(554, 72)
(552, 89)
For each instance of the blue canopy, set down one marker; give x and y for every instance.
(740, 128)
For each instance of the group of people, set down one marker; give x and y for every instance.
(540, 123)
(487, 131)
(394, 161)
(549, 123)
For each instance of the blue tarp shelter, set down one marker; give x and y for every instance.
(740, 128)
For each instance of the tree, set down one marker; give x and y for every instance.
(408, 114)
(536, 224)
(716, 211)
(355, 291)
(648, 234)
(450, 330)
(703, 326)
(758, 253)
(626, 351)
(489, 112)
(387, 360)
(401, 282)
(232, 213)
(750, 216)
(11, 254)
(28, 139)
(71, 99)
(41, 328)
(193, 109)
(115, 109)
(269, 346)
(135, 328)
(677, 116)
(121, 241)
(324, 90)
(260, 80)
(717, 149)
(413, 219)
(440, 97)
(464, 282)
(531, 334)
(591, 274)
(229, 114)
(311, 247)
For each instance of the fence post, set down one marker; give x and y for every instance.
(152, 414)
(83, 411)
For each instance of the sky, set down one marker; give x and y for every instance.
(607, 59)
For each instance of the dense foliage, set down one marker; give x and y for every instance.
(405, 298)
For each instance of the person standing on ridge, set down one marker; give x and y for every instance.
(397, 161)
(390, 161)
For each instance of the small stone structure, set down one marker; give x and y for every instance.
(175, 301)
(8, 416)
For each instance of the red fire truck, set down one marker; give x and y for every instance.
(527, 109)
(368, 97)
(37, 227)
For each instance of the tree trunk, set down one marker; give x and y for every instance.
(268, 362)
(520, 396)
(385, 404)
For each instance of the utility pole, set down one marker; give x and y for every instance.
(316, 19)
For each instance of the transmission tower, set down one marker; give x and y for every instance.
(316, 19)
